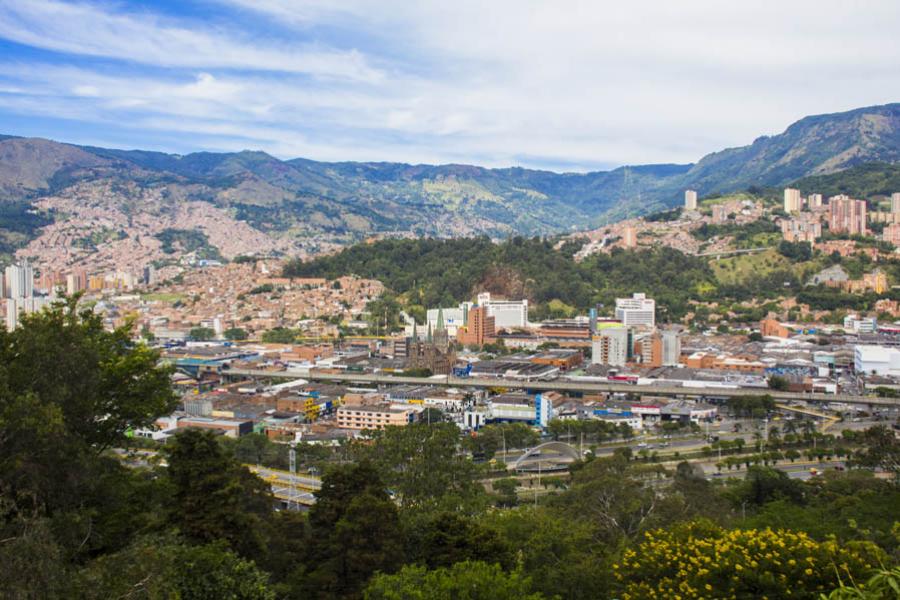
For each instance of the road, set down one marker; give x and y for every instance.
(567, 385)
(286, 486)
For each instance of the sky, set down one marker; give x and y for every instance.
(562, 85)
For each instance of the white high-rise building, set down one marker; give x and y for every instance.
(15, 307)
(671, 347)
(690, 200)
(895, 202)
(792, 200)
(19, 281)
(814, 201)
(506, 313)
(610, 347)
(636, 311)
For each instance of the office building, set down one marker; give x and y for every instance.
(507, 313)
(636, 311)
(453, 318)
(690, 200)
(610, 347)
(792, 201)
(480, 328)
(847, 215)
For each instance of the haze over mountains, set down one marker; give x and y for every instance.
(349, 200)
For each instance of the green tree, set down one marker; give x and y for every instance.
(279, 335)
(422, 464)
(201, 334)
(463, 581)
(215, 498)
(235, 334)
(354, 532)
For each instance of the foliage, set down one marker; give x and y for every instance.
(201, 334)
(422, 465)
(462, 581)
(235, 334)
(795, 251)
(883, 585)
(353, 533)
(188, 240)
(280, 335)
(696, 560)
(430, 272)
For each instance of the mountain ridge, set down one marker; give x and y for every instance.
(353, 200)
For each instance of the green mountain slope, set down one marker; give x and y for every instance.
(355, 200)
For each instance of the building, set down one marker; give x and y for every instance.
(629, 237)
(877, 360)
(562, 358)
(895, 202)
(847, 215)
(814, 201)
(19, 281)
(792, 201)
(804, 228)
(858, 324)
(610, 347)
(690, 200)
(507, 313)
(452, 318)
(362, 417)
(636, 311)
(479, 329)
(719, 214)
(434, 353)
(772, 328)
(891, 234)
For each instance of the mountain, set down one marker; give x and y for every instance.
(303, 199)
(865, 181)
(816, 145)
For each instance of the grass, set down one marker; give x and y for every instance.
(163, 297)
(735, 269)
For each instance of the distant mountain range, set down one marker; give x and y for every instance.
(352, 200)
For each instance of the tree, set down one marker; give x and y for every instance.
(422, 464)
(463, 581)
(699, 559)
(69, 389)
(235, 334)
(201, 334)
(443, 539)
(777, 382)
(279, 335)
(215, 497)
(165, 567)
(881, 450)
(354, 532)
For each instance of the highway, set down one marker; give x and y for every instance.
(568, 385)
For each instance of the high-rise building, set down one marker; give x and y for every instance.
(891, 234)
(636, 311)
(804, 228)
(847, 215)
(610, 347)
(792, 200)
(506, 313)
(19, 281)
(814, 201)
(671, 347)
(690, 200)
(895, 202)
(479, 329)
(629, 237)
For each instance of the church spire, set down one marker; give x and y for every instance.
(428, 339)
(440, 320)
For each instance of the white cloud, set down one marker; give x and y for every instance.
(89, 30)
(499, 83)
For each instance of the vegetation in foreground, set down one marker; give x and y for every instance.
(401, 514)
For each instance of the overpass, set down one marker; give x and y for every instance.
(567, 385)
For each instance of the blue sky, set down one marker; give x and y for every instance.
(570, 85)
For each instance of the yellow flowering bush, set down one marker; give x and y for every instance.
(701, 560)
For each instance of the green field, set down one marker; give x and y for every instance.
(163, 297)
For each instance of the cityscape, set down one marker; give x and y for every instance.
(506, 302)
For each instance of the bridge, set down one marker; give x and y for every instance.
(548, 457)
(569, 385)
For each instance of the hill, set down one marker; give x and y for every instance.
(864, 181)
(300, 199)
